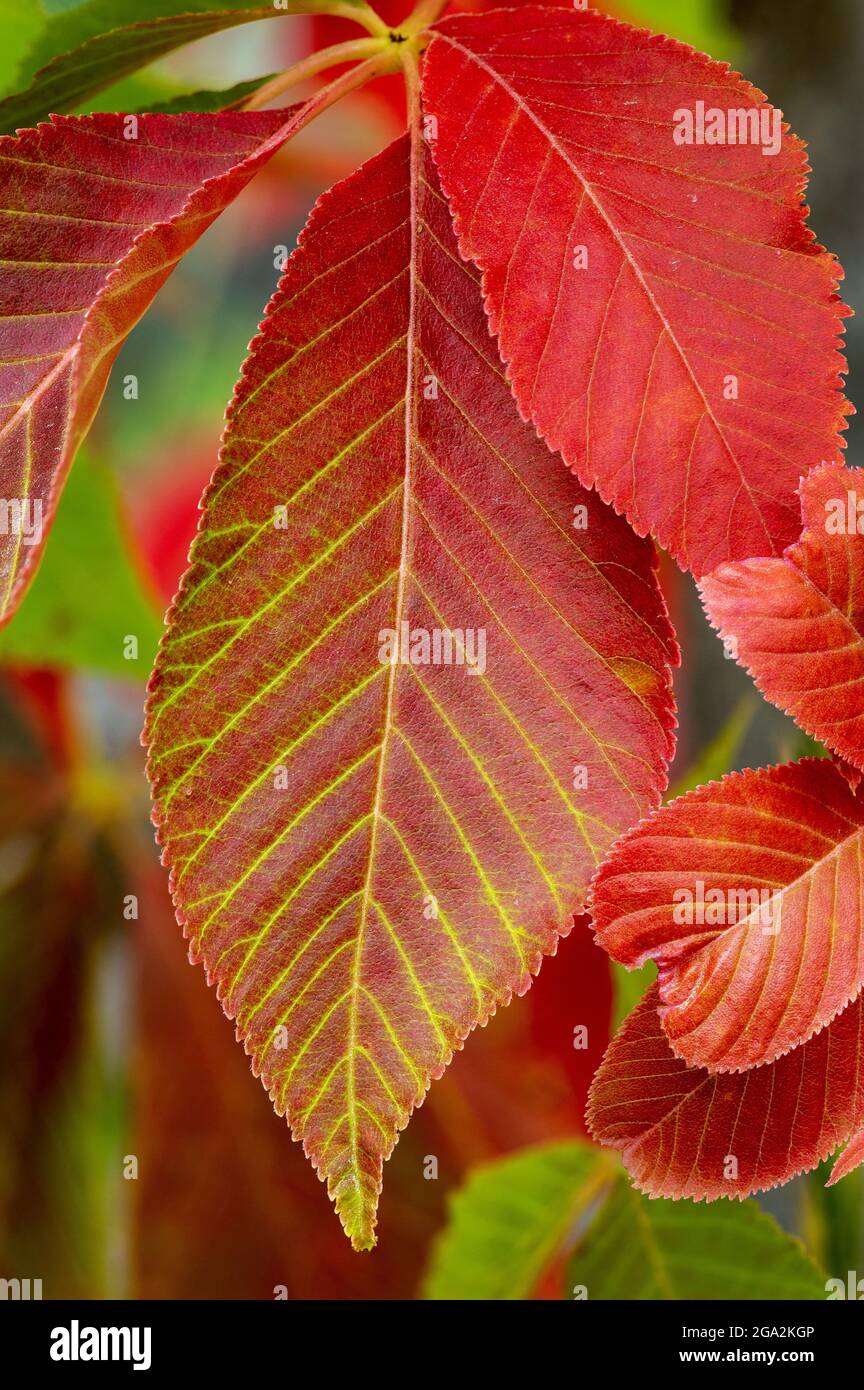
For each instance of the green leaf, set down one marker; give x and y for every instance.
(72, 76)
(637, 1249)
(511, 1218)
(628, 987)
(20, 22)
(64, 29)
(89, 595)
(206, 101)
(833, 1219)
(82, 51)
(716, 759)
(699, 22)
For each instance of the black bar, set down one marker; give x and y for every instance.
(248, 1339)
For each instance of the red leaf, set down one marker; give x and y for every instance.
(776, 948)
(852, 774)
(374, 397)
(851, 1158)
(698, 273)
(192, 1092)
(798, 622)
(93, 225)
(678, 1128)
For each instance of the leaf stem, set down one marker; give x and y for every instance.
(346, 82)
(426, 13)
(308, 67)
(408, 59)
(386, 51)
(360, 13)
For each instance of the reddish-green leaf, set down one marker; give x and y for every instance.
(748, 894)
(798, 622)
(687, 1132)
(370, 856)
(667, 320)
(96, 212)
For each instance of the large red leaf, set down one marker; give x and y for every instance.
(193, 1096)
(636, 283)
(425, 846)
(798, 622)
(748, 893)
(687, 1132)
(91, 225)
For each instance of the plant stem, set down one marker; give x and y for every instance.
(348, 81)
(426, 13)
(308, 67)
(359, 13)
(408, 59)
(380, 54)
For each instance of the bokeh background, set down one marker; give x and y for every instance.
(138, 1157)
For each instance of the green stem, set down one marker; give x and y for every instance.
(360, 13)
(426, 13)
(348, 81)
(380, 54)
(308, 67)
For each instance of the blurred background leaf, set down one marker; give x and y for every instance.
(702, 23)
(720, 752)
(53, 27)
(76, 74)
(512, 1218)
(642, 1249)
(516, 1220)
(91, 593)
(63, 1075)
(21, 21)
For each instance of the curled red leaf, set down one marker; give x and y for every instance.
(687, 1132)
(797, 623)
(748, 893)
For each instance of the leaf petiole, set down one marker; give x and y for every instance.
(425, 14)
(359, 13)
(385, 51)
(316, 62)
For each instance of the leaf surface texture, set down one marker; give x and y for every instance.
(634, 282)
(370, 856)
(687, 1132)
(748, 894)
(798, 622)
(91, 226)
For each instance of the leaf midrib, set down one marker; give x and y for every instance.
(405, 555)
